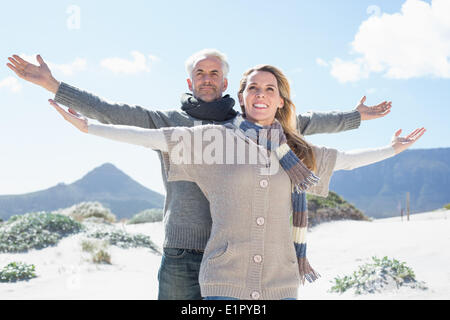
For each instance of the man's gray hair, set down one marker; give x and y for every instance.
(205, 53)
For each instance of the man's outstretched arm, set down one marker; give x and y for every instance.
(332, 122)
(84, 102)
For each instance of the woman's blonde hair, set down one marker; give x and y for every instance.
(285, 115)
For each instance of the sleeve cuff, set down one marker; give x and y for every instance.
(67, 95)
(352, 120)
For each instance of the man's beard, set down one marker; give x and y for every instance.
(212, 93)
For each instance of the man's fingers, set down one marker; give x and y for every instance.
(19, 59)
(40, 60)
(9, 65)
(385, 112)
(363, 99)
(19, 73)
(16, 64)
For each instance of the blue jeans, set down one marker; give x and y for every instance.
(178, 274)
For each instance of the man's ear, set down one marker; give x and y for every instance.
(189, 82)
(225, 84)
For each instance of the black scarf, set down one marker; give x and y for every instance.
(219, 110)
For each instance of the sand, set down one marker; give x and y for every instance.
(334, 249)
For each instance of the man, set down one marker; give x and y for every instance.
(187, 217)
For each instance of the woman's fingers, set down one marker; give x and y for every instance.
(411, 134)
(413, 137)
(80, 123)
(74, 112)
(58, 108)
(419, 134)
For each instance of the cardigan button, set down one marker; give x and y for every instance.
(263, 183)
(257, 258)
(255, 295)
(260, 221)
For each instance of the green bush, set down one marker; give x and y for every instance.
(447, 206)
(97, 249)
(35, 231)
(123, 239)
(150, 215)
(101, 257)
(85, 210)
(16, 271)
(372, 277)
(331, 208)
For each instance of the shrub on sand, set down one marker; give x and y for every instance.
(381, 274)
(17, 271)
(35, 231)
(146, 216)
(86, 210)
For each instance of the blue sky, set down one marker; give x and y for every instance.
(334, 52)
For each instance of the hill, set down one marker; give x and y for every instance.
(106, 184)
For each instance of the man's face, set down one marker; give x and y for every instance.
(207, 82)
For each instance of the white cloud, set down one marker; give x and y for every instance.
(321, 62)
(349, 71)
(67, 69)
(140, 63)
(11, 84)
(70, 68)
(412, 43)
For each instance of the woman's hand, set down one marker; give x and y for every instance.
(402, 143)
(74, 118)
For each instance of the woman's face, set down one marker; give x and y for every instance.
(261, 98)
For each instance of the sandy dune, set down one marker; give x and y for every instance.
(335, 249)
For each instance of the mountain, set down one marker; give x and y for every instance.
(106, 184)
(379, 189)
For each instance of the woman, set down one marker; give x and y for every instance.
(254, 171)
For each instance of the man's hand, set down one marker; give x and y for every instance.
(373, 112)
(402, 143)
(40, 75)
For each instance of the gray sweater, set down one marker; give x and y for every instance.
(187, 214)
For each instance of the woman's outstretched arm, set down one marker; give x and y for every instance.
(150, 138)
(358, 158)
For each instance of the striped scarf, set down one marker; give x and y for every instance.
(301, 179)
